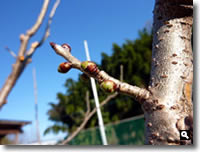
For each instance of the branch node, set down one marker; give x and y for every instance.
(22, 37)
(34, 44)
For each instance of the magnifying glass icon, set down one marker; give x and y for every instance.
(184, 134)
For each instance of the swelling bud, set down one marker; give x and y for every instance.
(66, 46)
(64, 67)
(90, 67)
(108, 86)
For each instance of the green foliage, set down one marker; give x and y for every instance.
(135, 56)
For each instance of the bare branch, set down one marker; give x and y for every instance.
(87, 102)
(25, 38)
(22, 61)
(40, 19)
(11, 52)
(121, 72)
(46, 34)
(87, 118)
(101, 76)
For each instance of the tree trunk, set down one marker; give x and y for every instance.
(170, 108)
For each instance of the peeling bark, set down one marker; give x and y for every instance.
(170, 103)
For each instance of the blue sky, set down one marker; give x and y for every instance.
(101, 23)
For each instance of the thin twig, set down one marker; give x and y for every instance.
(46, 34)
(40, 19)
(25, 38)
(121, 72)
(11, 52)
(87, 118)
(87, 102)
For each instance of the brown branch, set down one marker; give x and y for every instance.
(87, 118)
(40, 19)
(25, 38)
(121, 72)
(46, 34)
(125, 88)
(22, 60)
(87, 102)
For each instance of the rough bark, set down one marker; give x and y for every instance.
(170, 106)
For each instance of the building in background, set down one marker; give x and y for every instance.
(8, 127)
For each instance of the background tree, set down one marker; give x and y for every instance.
(68, 113)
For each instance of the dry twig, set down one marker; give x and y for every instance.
(11, 52)
(87, 118)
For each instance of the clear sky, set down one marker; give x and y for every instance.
(100, 22)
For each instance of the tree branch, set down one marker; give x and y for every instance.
(87, 102)
(25, 38)
(87, 118)
(101, 76)
(40, 19)
(46, 34)
(23, 60)
(11, 52)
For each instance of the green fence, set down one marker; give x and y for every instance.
(126, 132)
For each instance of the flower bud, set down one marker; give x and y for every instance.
(52, 44)
(108, 86)
(66, 46)
(64, 67)
(90, 67)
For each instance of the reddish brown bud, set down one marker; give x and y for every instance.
(108, 86)
(66, 46)
(52, 44)
(90, 67)
(64, 67)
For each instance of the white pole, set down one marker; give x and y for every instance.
(96, 99)
(36, 106)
